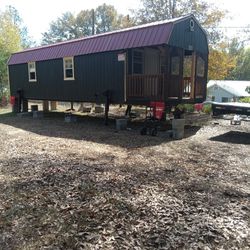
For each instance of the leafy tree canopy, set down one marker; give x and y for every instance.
(103, 19)
(10, 41)
(242, 69)
(10, 37)
(221, 63)
(208, 15)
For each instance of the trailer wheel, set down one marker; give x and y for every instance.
(153, 132)
(144, 131)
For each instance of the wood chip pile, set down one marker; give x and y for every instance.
(84, 186)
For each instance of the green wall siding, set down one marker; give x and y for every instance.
(94, 74)
(182, 37)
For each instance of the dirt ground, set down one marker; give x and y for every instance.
(84, 186)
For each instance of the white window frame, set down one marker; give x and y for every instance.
(32, 70)
(64, 69)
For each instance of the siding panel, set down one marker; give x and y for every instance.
(94, 74)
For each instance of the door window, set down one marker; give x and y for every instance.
(175, 65)
(138, 59)
(200, 67)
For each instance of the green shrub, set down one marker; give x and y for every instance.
(245, 99)
(4, 96)
(181, 107)
(207, 108)
(189, 108)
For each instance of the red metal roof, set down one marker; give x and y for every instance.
(157, 33)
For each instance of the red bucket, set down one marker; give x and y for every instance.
(198, 107)
(12, 100)
(158, 109)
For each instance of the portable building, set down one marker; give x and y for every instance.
(164, 61)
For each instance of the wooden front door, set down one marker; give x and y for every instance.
(201, 77)
(175, 75)
(188, 83)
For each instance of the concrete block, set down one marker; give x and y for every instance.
(121, 124)
(70, 118)
(38, 114)
(24, 114)
(99, 109)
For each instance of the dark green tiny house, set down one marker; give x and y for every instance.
(164, 61)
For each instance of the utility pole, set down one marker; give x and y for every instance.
(93, 21)
(172, 6)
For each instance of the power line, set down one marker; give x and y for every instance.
(230, 27)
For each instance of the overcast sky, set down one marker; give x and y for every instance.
(38, 14)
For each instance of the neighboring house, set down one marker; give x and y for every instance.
(164, 61)
(226, 91)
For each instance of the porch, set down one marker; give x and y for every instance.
(165, 74)
(157, 88)
(145, 87)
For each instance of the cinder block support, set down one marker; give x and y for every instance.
(25, 105)
(45, 106)
(53, 105)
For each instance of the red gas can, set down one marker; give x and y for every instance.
(198, 107)
(12, 100)
(158, 109)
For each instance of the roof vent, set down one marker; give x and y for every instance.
(191, 25)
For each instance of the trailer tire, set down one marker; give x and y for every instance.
(153, 132)
(144, 131)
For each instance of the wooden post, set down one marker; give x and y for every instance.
(53, 105)
(72, 106)
(45, 106)
(19, 100)
(25, 105)
(106, 113)
(15, 106)
(192, 94)
(107, 94)
(128, 110)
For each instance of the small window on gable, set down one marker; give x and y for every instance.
(191, 25)
(32, 71)
(68, 68)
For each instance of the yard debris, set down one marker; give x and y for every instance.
(82, 186)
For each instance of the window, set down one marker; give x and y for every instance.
(68, 68)
(224, 99)
(175, 65)
(200, 67)
(32, 71)
(138, 62)
(187, 66)
(191, 25)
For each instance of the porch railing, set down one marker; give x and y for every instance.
(187, 87)
(145, 86)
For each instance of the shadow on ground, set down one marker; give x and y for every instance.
(235, 137)
(90, 128)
